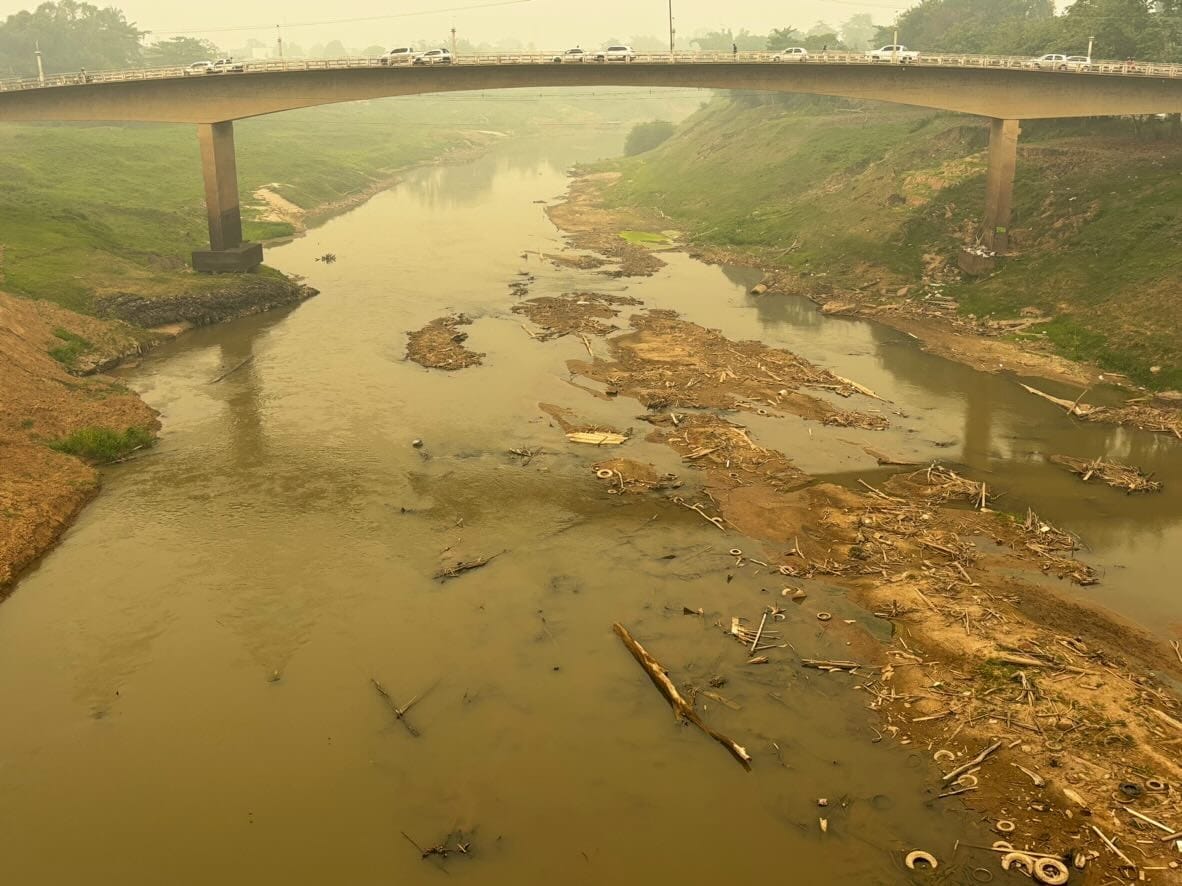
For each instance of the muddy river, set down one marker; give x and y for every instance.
(186, 682)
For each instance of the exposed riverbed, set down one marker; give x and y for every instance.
(189, 674)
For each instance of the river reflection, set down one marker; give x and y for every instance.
(191, 669)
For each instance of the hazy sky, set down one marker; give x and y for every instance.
(546, 23)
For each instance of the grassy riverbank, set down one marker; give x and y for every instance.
(89, 210)
(848, 197)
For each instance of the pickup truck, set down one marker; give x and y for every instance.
(898, 53)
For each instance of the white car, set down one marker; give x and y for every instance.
(616, 54)
(1052, 61)
(434, 57)
(226, 66)
(403, 55)
(571, 56)
(896, 52)
(792, 54)
(1079, 63)
(204, 67)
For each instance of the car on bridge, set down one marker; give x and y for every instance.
(434, 57)
(571, 56)
(1080, 63)
(226, 66)
(204, 67)
(792, 54)
(1052, 61)
(895, 52)
(403, 55)
(616, 54)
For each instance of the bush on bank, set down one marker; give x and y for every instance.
(101, 445)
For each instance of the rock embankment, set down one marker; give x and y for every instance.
(226, 299)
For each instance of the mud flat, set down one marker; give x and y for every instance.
(1055, 721)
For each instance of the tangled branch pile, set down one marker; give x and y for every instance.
(1119, 476)
(440, 345)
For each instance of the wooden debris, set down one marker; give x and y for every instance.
(1119, 476)
(1148, 418)
(231, 371)
(826, 665)
(1113, 847)
(681, 708)
(400, 712)
(463, 566)
(976, 761)
(597, 438)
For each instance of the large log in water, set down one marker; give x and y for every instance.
(681, 708)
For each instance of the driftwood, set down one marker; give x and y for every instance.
(231, 371)
(1115, 474)
(976, 761)
(681, 708)
(826, 665)
(400, 712)
(1145, 417)
(463, 566)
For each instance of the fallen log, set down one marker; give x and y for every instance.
(682, 709)
(1073, 407)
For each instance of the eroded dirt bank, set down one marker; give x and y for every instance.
(49, 360)
(41, 490)
(1068, 709)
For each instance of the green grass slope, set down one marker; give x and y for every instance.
(847, 195)
(87, 209)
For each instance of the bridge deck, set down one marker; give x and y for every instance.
(927, 60)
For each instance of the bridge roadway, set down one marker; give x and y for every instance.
(1004, 90)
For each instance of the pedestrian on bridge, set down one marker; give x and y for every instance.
(735, 50)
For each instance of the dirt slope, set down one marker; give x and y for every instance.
(42, 490)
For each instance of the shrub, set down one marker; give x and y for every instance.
(646, 136)
(75, 346)
(103, 445)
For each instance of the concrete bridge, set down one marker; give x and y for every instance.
(1004, 90)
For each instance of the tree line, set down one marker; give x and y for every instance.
(1115, 29)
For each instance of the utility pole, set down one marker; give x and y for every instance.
(279, 40)
(1091, 41)
(895, 45)
(453, 40)
(671, 31)
(40, 67)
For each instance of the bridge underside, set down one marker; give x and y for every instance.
(1006, 96)
(1004, 93)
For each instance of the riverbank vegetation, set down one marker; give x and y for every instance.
(850, 198)
(100, 445)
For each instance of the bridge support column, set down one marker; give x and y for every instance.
(999, 182)
(226, 252)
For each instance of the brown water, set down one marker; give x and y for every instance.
(185, 681)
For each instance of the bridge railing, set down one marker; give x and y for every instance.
(924, 59)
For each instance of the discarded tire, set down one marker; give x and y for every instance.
(1051, 871)
(919, 857)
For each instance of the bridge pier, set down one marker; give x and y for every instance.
(999, 182)
(227, 251)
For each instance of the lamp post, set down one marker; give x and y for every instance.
(1091, 40)
(40, 67)
(895, 45)
(279, 40)
(453, 40)
(671, 31)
